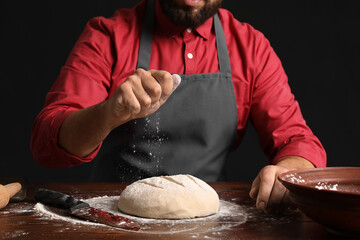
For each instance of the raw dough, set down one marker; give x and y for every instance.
(169, 197)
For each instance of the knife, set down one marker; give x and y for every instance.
(83, 210)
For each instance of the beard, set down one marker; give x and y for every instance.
(186, 16)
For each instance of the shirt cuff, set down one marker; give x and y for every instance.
(60, 156)
(313, 152)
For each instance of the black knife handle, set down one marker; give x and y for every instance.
(57, 199)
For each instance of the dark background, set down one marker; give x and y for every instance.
(317, 41)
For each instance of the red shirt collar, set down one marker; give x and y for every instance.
(166, 27)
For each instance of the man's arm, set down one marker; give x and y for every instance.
(139, 96)
(284, 135)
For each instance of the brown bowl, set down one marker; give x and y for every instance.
(329, 196)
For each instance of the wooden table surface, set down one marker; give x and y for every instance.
(19, 220)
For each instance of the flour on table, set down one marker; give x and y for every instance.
(14, 234)
(229, 215)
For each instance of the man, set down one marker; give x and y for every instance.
(214, 74)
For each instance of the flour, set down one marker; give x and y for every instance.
(44, 211)
(295, 178)
(150, 144)
(149, 149)
(14, 234)
(154, 139)
(230, 215)
(17, 208)
(326, 186)
(97, 202)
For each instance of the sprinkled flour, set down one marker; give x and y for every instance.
(229, 215)
(295, 178)
(326, 186)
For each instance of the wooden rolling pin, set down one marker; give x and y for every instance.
(7, 191)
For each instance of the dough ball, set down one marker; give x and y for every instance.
(169, 197)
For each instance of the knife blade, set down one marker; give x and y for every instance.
(83, 210)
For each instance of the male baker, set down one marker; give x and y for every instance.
(168, 87)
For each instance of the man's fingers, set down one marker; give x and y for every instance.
(176, 81)
(137, 88)
(147, 84)
(276, 200)
(165, 81)
(277, 193)
(270, 194)
(144, 92)
(128, 99)
(265, 188)
(255, 187)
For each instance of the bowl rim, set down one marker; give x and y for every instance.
(285, 182)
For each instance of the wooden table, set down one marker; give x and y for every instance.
(19, 220)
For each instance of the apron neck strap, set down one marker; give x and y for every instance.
(147, 35)
(223, 55)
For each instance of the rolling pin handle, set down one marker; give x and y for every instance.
(7, 191)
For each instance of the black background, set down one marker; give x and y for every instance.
(317, 41)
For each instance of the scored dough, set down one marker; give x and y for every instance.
(169, 197)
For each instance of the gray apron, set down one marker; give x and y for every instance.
(192, 133)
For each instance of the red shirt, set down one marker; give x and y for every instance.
(106, 54)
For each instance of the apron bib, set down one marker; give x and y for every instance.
(192, 133)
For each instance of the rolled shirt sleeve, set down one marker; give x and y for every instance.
(83, 81)
(276, 114)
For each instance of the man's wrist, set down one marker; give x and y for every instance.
(294, 162)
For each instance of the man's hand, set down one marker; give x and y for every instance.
(269, 193)
(141, 94)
